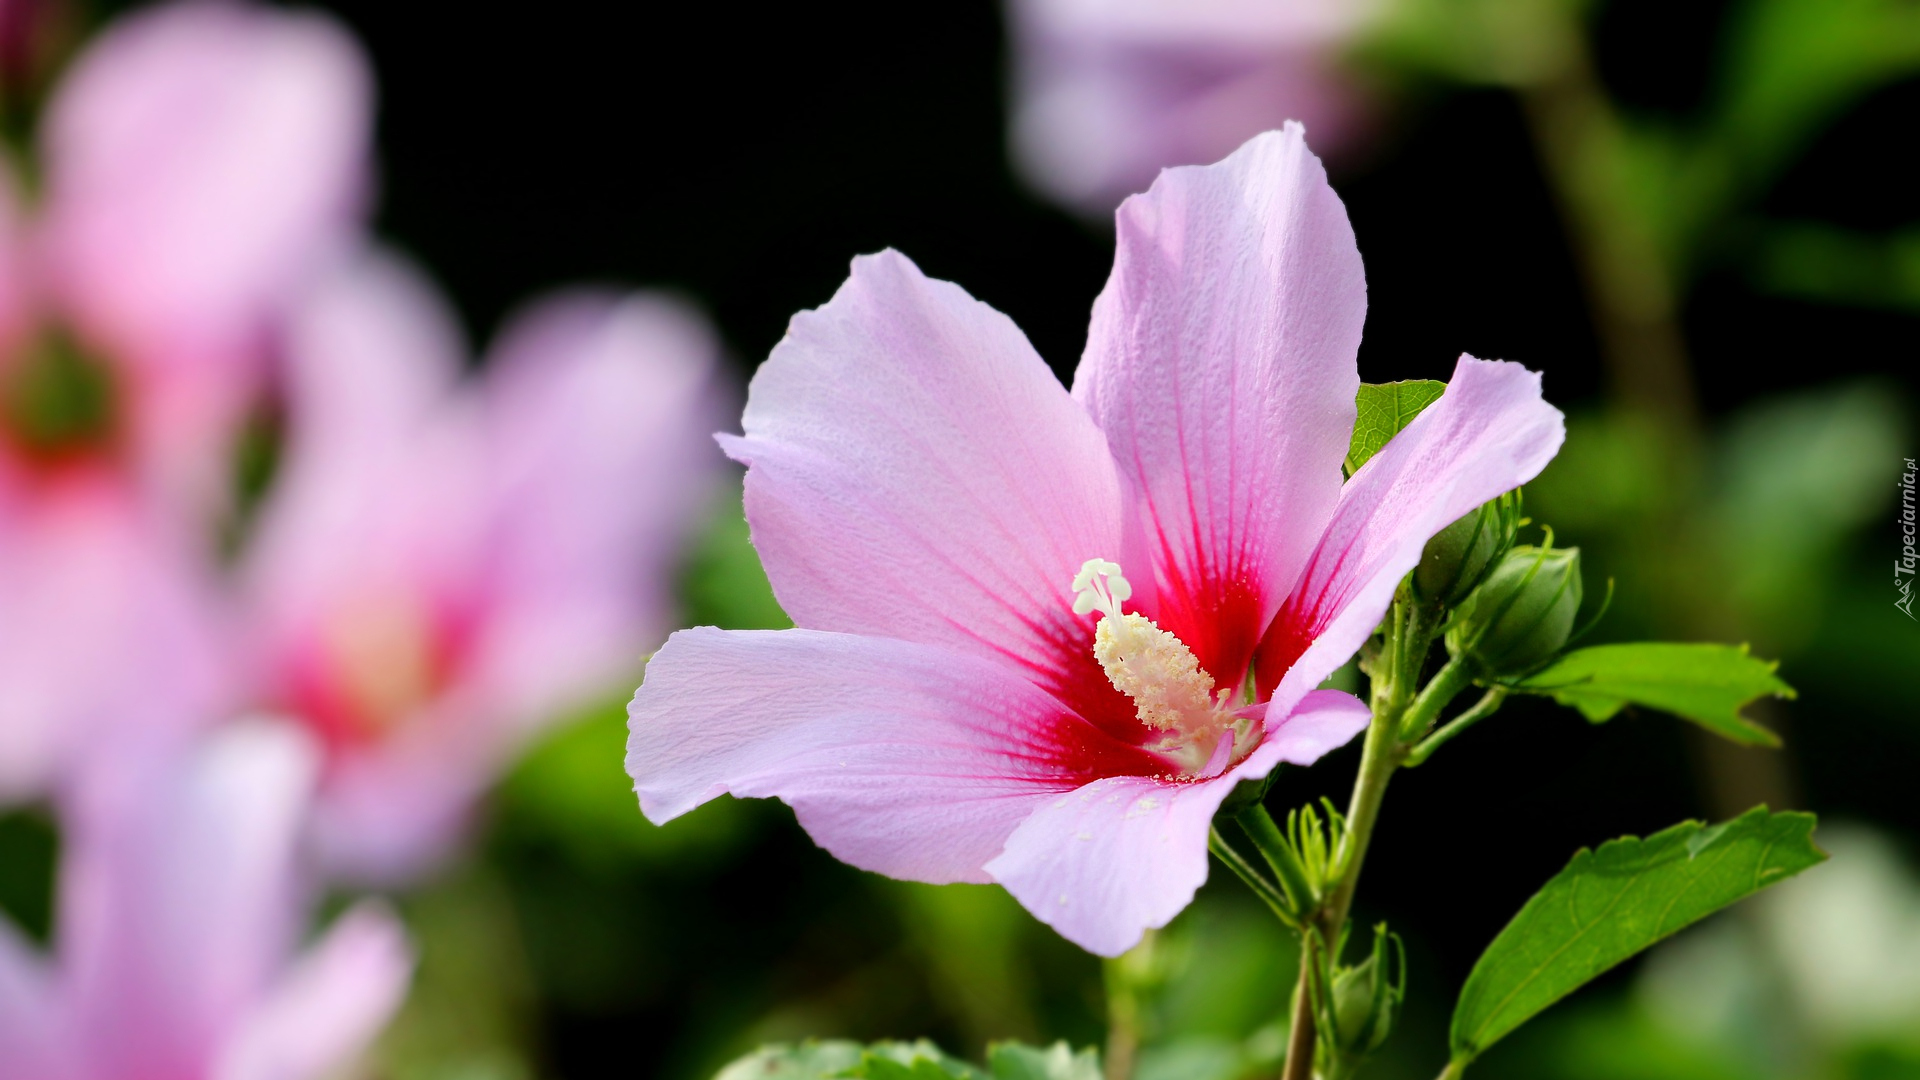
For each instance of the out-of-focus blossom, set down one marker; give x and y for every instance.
(196, 164)
(1108, 92)
(447, 563)
(976, 692)
(180, 910)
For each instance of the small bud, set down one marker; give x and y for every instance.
(1458, 558)
(1522, 614)
(1366, 998)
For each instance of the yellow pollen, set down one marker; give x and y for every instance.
(1155, 669)
(1171, 693)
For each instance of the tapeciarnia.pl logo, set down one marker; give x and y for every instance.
(1905, 563)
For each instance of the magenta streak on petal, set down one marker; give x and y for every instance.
(1220, 366)
(1489, 433)
(913, 760)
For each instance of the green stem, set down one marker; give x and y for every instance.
(1123, 1022)
(1255, 880)
(1300, 1037)
(1410, 634)
(1488, 704)
(1454, 1071)
(1445, 686)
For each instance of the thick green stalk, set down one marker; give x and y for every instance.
(1410, 635)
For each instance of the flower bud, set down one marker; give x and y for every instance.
(1522, 614)
(1460, 555)
(1366, 998)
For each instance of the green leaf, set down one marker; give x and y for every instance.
(1385, 408)
(1707, 684)
(917, 1061)
(1609, 904)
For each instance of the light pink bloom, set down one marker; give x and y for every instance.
(197, 161)
(181, 905)
(448, 563)
(926, 499)
(1108, 92)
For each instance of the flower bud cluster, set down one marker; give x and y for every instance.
(1522, 615)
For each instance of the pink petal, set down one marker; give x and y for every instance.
(372, 350)
(326, 1010)
(383, 508)
(1489, 433)
(178, 894)
(1104, 864)
(599, 412)
(395, 810)
(1221, 366)
(912, 760)
(1106, 95)
(109, 628)
(30, 1036)
(916, 472)
(199, 158)
(382, 474)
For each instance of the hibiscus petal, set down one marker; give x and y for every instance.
(200, 157)
(179, 896)
(1489, 433)
(197, 154)
(1104, 864)
(915, 471)
(109, 625)
(329, 1006)
(29, 1038)
(912, 760)
(1221, 366)
(372, 350)
(380, 493)
(589, 394)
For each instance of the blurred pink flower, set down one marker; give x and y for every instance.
(1108, 92)
(197, 161)
(967, 700)
(448, 563)
(180, 908)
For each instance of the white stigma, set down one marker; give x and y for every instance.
(1170, 692)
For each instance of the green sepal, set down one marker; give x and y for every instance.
(1611, 903)
(1383, 410)
(1706, 683)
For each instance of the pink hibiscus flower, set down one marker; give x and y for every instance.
(196, 162)
(181, 904)
(446, 564)
(977, 692)
(1109, 92)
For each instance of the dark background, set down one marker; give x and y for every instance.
(741, 155)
